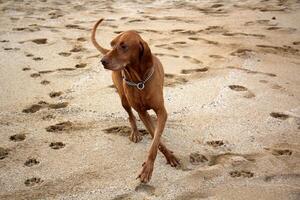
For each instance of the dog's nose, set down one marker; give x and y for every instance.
(104, 61)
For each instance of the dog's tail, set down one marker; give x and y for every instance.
(93, 37)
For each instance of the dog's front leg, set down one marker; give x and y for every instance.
(147, 169)
(171, 158)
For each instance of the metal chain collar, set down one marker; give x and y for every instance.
(140, 85)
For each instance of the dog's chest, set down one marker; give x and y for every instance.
(138, 99)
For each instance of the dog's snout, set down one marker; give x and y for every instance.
(104, 61)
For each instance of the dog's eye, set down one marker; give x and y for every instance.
(123, 46)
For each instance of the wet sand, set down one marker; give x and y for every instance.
(232, 91)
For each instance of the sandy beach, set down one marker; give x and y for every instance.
(232, 92)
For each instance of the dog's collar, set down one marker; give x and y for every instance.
(139, 85)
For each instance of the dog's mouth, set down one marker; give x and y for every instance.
(115, 67)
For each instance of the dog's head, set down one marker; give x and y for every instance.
(128, 49)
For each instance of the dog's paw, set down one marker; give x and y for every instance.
(135, 136)
(146, 172)
(172, 160)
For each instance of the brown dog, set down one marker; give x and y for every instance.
(138, 76)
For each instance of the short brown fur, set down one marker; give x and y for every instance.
(132, 56)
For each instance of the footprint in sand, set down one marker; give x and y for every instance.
(35, 75)
(31, 162)
(66, 69)
(251, 71)
(29, 55)
(171, 80)
(18, 137)
(163, 54)
(11, 49)
(263, 81)
(282, 29)
(81, 39)
(278, 49)
(37, 58)
(42, 104)
(65, 54)
(242, 173)
(277, 177)
(118, 32)
(241, 52)
(215, 143)
(77, 48)
(57, 145)
(59, 127)
(55, 14)
(204, 40)
(233, 158)
(296, 43)
(179, 43)
(58, 105)
(177, 30)
(74, 26)
(32, 109)
(244, 34)
(122, 131)
(79, 8)
(26, 69)
(40, 41)
(55, 94)
(276, 87)
(192, 60)
(33, 181)
(78, 57)
(214, 29)
(280, 152)
(217, 5)
(191, 71)
(81, 65)
(45, 71)
(126, 196)
(45, 82)
(171, 18)
(28, 29)
(145, 188)
(14, 18)
(216, 56)
(264, 22)
(165, 46)
(3, 153)
(135, 20)
(193, 195)
(239, 88)
(197, 158)
(48, 117)
(278, 115)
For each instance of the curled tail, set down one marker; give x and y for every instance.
(93, 37)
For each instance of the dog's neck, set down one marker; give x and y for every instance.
(137, 73)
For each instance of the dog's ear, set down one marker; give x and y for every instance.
(145, 54)
(115, 41)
